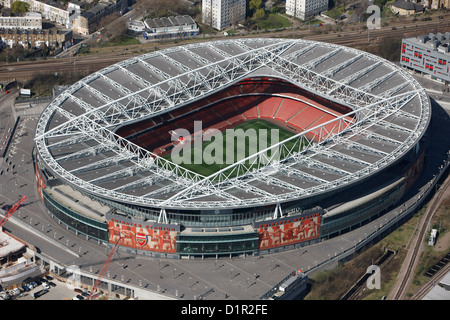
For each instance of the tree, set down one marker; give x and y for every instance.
(254, 5)
(260, 13)
(112, 26)
(20, 7)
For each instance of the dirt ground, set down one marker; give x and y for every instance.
(443, 242)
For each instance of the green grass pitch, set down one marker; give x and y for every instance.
(211, 156)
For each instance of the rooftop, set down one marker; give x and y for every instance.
(406, 5)
(8, 245)
(131, 90)
(169, 21)
(439, 42)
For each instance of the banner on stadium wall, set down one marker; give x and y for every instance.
(40, 181)
(288, 231)
(414, 170)
(141, 235)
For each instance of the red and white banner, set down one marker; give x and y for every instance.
(288, 231)
(159, 239)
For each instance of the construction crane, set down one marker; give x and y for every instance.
(12, 210)
(102, 272)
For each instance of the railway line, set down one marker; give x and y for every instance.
(91, 63)
(433, 281)
(413, 257)
(357, 289)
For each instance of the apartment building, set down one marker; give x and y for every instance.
(31, 20)
(52, 38)
(88, 21)
(429, 54)
(62, 14)
(221, 14)
(304, 9)
(437, 4)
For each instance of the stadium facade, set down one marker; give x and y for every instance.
(357, 135)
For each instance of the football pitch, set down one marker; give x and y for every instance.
(224, 148)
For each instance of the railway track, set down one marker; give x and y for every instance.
(355, 292)
(433, 281)
(88, 64)
(413, 258)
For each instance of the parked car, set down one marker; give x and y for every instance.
(39, 293)
(45, 285)
(4, 295)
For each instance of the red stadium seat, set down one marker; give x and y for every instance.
(249, 99)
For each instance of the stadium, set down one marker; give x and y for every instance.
(138, 153)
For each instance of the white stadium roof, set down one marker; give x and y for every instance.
(76, 140)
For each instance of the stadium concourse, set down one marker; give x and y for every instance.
(352, 130)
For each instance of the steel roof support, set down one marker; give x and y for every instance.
(173, 92)
(163, 216)
(278, 213)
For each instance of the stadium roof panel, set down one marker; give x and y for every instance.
(76, 138)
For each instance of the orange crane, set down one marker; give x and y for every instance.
(102, 272)
(12, 210)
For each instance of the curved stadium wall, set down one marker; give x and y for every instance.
(354, 130)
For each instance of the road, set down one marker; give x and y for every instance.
(233, 279)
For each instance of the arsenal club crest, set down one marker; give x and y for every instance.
(141, 239)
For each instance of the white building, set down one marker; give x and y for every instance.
(304, 9)
(31, 21)
(178, 26)
(220, 14)
(166, 27)
(428, 54)
(63, 14)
